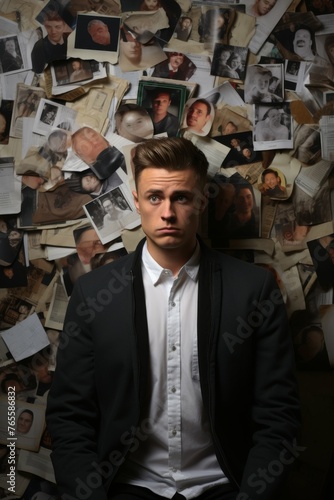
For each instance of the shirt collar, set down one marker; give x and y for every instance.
(156, 272)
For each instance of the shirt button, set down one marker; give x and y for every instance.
(173, 347)
(174, 432)
(173, 304)
(173, 389)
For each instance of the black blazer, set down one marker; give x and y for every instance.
(246, 365)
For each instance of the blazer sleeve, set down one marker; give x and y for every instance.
(72, 414)
(275, 407)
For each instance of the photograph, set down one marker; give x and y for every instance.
(264, 83)
(28, 424)
(112, 212)
(72, 71)
(272, 183)
(97, 32)
(273, 126)
(234, 213)
(229, 61)
(164, 103)
(198, 116)
(177, 67)
(94, 149)
(11, 58)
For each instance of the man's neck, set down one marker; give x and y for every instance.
(171, 258)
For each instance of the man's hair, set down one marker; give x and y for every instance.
(94, 22)
(269, 171)
(27, 411)
(170, 153)
(52, 15)
(205, 102)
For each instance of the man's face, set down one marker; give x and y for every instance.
(271, 180)
(24, 422)
(244, 201)
(265, 6)
(131, 49)
(302, 41)
(76, 65)
(176, 60)
(169, 205)
(100, 34)
(55, 30)
(160, 104)
(186, 23)
(197, 116)
(90, 183)
(109, 207)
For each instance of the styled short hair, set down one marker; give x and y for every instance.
(95, 22)
(170, 153)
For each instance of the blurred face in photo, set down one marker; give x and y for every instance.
(262, 7)
(55, 30)
(131, 49)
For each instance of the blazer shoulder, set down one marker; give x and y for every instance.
(232, 266)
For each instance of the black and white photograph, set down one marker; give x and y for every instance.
(273, 127)
(229, 61)
(264, 83)
(11, 59)
(112, 212)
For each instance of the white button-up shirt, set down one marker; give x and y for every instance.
(176, 453)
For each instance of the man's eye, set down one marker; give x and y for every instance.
(154, 198)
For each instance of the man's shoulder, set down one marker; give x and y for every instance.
(100, 277)
(232, 266)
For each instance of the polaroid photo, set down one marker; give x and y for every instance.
(273, 127)
(264, 83)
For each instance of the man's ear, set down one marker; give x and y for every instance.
(135, 199)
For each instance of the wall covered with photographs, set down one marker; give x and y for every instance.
(251, 84)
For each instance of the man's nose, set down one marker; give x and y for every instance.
(168, 212)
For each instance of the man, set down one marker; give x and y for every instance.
(24, 422)
(99, 32)
(183, 28)
(170, 381)
(271, 184)
(10, 59)
(302, 44)
(53, 46)
(198, 116)
(172, 67)
(262, 7)
(163, 120)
